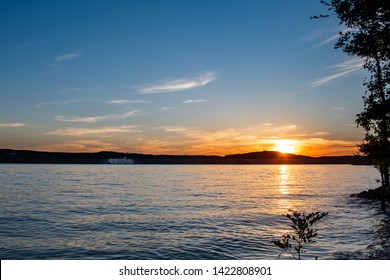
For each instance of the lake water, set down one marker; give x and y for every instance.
(184, 211)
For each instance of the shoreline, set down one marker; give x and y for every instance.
(264, 157)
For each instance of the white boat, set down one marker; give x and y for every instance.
(123, 160)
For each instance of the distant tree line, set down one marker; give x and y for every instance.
(265, 157)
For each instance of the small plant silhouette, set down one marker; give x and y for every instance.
(303, 233)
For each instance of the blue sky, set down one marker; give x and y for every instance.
(177, 77)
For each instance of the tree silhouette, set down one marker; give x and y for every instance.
(367, 36)
(303, 233)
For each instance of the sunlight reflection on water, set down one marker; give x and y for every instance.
(181, 212)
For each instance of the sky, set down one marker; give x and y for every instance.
(210, 77)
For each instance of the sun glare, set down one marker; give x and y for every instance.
(285, 146)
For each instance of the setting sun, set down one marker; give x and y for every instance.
(285, 146)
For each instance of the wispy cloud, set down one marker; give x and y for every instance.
(229, 138)
(322, 133)
(328, 40)
(193, 140)
(110, 117)
(122, 102)
(321, 146)
(333, 37)
(12, 124)
(70, 90)
(339, 111)
(62, 102)
(167, 108)
(180, 84)
(65, 57)
(191, 101)
(340, 70)
(102, 132)
(80, 145)
(339, 108)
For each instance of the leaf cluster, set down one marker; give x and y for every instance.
(367, 26)
(303, 233)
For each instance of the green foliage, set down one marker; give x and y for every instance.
(303, 233)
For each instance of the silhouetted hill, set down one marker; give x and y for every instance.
(265, 157)
(23, 156)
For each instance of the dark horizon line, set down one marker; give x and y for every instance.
(105, 157)
(177, 155)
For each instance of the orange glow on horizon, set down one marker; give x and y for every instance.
(285, 146)
(220, 146)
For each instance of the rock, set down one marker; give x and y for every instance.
(374, 193)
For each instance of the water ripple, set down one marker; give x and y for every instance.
(183, 212)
